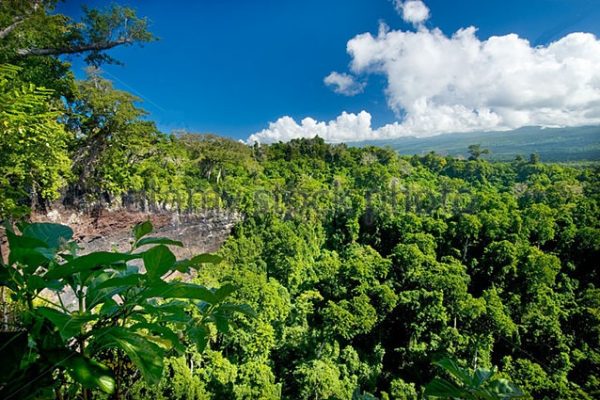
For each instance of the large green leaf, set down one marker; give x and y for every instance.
(106, 289)
(6, 278)
(224, 291)
(51, 234)
(126, 280)
(29, 257)
(158, 260)
(206, 258)
(442, 388)
(199, 335)
(36, 282)
(68, 325)
(89, 262)
(181, 290)
(481, 375)
(163, 332)
(158, 240)
(172, 311)
(142, 229)
(16, 241)
(28, 251)
(145, 354)
(504, 389)
(244, 309)
(221, 321)
(109, 307)
(89, 373)
(455, 370)
(197, 261)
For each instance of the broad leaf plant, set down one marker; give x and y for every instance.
(52, 348)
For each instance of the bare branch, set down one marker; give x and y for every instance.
(73, 49)
(19, 19)
(6, 31)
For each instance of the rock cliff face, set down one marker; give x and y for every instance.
(107, 229)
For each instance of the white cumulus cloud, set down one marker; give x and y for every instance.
(412, 11)
(344, 84)
(438, 83)
(345, 128)
(463, 83)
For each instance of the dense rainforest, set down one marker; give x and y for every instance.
(354, 273)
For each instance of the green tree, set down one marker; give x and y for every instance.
(33, 36)
(30, 28)
(33, 145)
(475, 151)
(112, 139)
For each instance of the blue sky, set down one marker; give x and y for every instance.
(232, 67)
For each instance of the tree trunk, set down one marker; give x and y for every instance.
(465, 248)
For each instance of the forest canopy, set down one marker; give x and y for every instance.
(355, 273)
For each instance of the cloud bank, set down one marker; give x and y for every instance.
(439, 84)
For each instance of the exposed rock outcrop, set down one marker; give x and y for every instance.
(107, 229)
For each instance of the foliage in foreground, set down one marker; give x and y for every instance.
(121, 312)
(479, 385)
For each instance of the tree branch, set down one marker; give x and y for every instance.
(73, 49)
(19, 19)
(6, 31)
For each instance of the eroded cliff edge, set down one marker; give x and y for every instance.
(106, 229)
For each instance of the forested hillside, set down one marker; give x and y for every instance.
(351, 272)
(551, 144)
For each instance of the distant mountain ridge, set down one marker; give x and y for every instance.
(551, 144)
